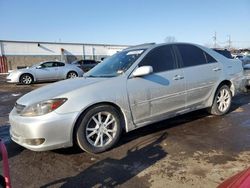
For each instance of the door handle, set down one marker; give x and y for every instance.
(217, 69)
(178, 77)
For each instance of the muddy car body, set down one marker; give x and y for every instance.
(133, 88)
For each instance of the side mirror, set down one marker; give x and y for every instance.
(39, 67)
(142, 71)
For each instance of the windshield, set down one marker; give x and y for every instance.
(116, 64)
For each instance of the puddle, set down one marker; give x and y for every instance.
(245, 123)
(16, 94)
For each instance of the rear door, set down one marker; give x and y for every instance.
(153, 96)
(60, 70)
(201, 72)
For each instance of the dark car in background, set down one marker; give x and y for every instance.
(224, 52)
(247, 74)
(86, 64)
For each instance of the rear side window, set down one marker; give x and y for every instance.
(59, 64)
(47, 64)
(191, 55)
(160, 58)
(209, 58)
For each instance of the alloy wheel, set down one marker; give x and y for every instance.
(101, 129)
(223, 100)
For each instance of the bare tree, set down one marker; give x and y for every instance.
(170, 39)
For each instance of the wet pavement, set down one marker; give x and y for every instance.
(193, 150)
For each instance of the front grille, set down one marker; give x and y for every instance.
(19, 108)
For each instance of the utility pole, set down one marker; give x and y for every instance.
(229, 42)
(215, 39)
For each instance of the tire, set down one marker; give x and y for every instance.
(99, 129)
(72, 74)
(26, 79)
(222, 101)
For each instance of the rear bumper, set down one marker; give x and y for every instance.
(247, 81)
(12, 78)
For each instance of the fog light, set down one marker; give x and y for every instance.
(34, 142)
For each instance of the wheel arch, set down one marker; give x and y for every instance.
(78, 119)
(28, 73)
(223, 82)
(229, 84)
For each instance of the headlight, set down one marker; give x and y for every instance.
(43, 107)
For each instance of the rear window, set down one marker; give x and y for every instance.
(225, 53)
(89, 62)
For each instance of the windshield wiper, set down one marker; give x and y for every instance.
(100, 76)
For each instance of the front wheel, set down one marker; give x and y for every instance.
(99, 129)
(222, 101)
(26, 79)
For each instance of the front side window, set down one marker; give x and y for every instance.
(191, 55)
(47, 65)
(160, 58)
(116, 64)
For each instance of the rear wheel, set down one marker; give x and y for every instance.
(99, 129)
(26, 79)
(222, 101)
(72, 74)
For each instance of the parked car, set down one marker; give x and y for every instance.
(133, 88)
(239, 56)
(85, 65)
(44, 71)
(245, 59)
(247, 74)
(224, 52)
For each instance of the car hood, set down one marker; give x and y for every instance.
(19, 71)
(56, 89)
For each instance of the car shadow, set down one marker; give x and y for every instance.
(12, 148)
(111, 172)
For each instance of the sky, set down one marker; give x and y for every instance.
(127, 22)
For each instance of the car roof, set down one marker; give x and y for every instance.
(153, 45)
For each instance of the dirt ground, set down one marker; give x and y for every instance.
(193, 150)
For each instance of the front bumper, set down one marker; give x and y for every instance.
(54, 129)
(12, 78)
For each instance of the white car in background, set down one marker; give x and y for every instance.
(44, 71)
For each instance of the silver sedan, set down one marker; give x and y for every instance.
(133, 88)
(44, 71)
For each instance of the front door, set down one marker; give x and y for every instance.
(47, 71)
(154, 96)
